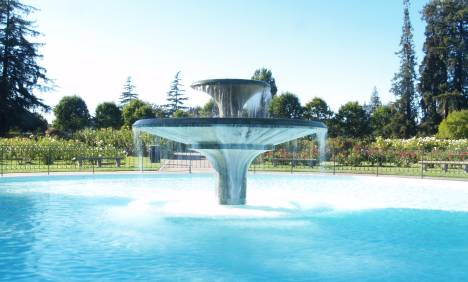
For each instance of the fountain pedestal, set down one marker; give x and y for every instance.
(231, 166)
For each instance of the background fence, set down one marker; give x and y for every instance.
(421, 163)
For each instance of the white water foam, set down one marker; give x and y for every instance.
(268, 195)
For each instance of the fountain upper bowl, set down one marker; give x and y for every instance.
(228, 81)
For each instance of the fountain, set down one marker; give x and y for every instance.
(240, 133)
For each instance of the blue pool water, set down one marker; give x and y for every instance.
(167, 227)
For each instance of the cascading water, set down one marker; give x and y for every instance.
(234, 139)
(138, 148)
(322, 142)
(235, 98)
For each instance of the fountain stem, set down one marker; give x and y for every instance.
(231, 166)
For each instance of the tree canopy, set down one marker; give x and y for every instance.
(108, 115)
(286, 105)
(20, 73)
(264, 74)
(381, 121)
(180, 114)
(135, 110)
(209, 109)
(71, 114)
(352, 121)
(317, 109)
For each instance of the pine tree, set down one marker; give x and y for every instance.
(374, 102)
(175, 96)
(443, 84)
(403, 82)
(20, 74)
(375, 99)
(456, 21)
(433, 71)
(128, 93)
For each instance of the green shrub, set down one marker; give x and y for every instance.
(47, 149)
(455, 126)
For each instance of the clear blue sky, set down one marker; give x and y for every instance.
(334, 49)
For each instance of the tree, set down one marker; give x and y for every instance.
(317, 109)
(381, 121)
(374, 102)
(135, 110)
(159, 111)
(456, 22)
(128, 93)
(181, 114)
(455, 126)
(175, 96)
(286, 105)
(108, 115)
(20, 74)
(433, 70)
(209, 109)
(71, 114)
(403, 82)
(264, 74)
(352, 121)
(33, 122)
(444, 69)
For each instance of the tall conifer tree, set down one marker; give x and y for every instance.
(374, 102)
(20, 73)
(443, 84)
(403, 82)
(128, 93)
(176, 96)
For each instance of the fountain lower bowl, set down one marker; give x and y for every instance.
(230, 131)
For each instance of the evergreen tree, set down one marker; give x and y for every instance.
(176, 96)
(456, 21)
(20, 74)
(444, 69)
(433, 74)
(128, 93)
(266, 75)
(403, 82)
(374, 101)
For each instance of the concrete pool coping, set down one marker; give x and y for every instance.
(90, 173)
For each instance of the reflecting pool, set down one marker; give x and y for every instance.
(166, 227)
